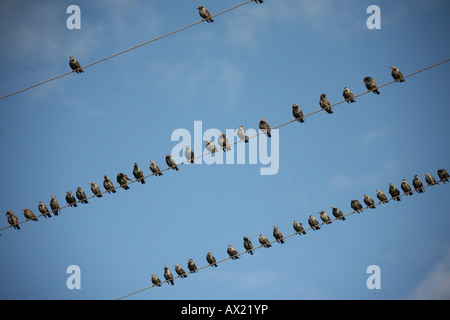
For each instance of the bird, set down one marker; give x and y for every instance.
(223, 142)
(109, 185)
(168, 275)
(371, 85)
(417, 184)
(204, 13)
(155, 169)
(96, 189)
(180, 271)
(138, 173)
(248, 245)
(81, 195)
(264, 241)
(75, 65)
(211, 260)
(12, 219)
(313, 223)
(381, 196)
(337, 213)
(155, 280)
(210, 146)
(70, 199)
(29, 215)
(430, 179)
(44, 210)
(278, 235)
(406, 187)
(122, 180)
(192, 266)
(232, 252)
(443, 175)
(259, 1)
(242, 134)
(189, 154)
(348, 95)
(325, 218)
(171, 163)
(325, 103)
(369, 201)
(264, 127)
(356, 205)
(298, 227)
(54, 205)
(393, 191)
(397, 74)
(297, 113)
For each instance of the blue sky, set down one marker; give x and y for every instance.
(253, 62)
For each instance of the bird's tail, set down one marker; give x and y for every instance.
(246, 139)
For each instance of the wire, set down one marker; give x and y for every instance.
(121, 52)
(285, 237)
(250, 137)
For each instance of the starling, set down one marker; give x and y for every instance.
(171, 163)
(75, 65)
(29, 215)
(406, 187)
(371, 85)
(155, 280)
(393, 191)
(122, 180)
(242, 134)
(397, 74)
(356, 205)
(278, 235)
(248, 245)
(264, 127)
(54, 205)
(417, 184)
(192, 267)
(325, 218)
(298, 227)
(44, 210)
(96, 189)
(223, 142)
(325, 103)
(369, 201)
(155, 169)
(189, 154)
(430, 179)
(313, 223)
(180, 271)
(264, 241)
(70, 199)
(443, 175)
(138, 173)
(108, 184)
(297, 113)
(211, 260)
(204, 13)
(348, 95)
(210, 146)
(12, 219)
(338, 213)
(232, 252)
(168, 275)
(381, 196)
(81, 195)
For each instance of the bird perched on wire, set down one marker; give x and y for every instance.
(325, 103)
(393, 191)
(264, 241)
(75, 65)
(443, 175)
(70, 199)
(298, 227)
(356, 205)
(406, 187)
(12, 219)
(313, 223)
(81, 195)
(297, 112)
(337, 213)
(155, 168)
(168, 275)
(381, 196)
(96, 190)
(369, 201)
(29, 215)
(204, 13)
(417, 183)
(232, 252)
(211, 260)
(264, 127)
(189, 154)
(109, 185)
(138, 173)
(430, 179)
(223, 142)
(210, 146)
(171, 163)
(278, 235)
(324, 217)
(54, 205)
(180, 271)
(348, 95)
(192, 266)
(242, 134)
(397, 74)
(371, 85)
(248, 245)
(44, 210)
(122, 180)
(155, 280)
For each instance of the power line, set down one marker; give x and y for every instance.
(236, 142)
(285, 237)
(124, 51)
